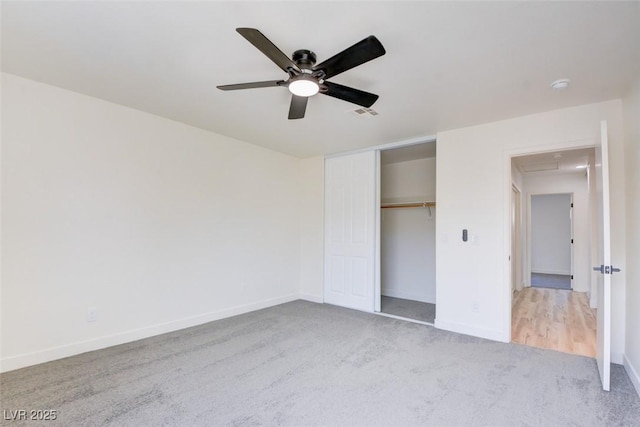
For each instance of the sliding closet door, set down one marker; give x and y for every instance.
(350, 211)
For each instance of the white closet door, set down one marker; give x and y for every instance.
(350, 230)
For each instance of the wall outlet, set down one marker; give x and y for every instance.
(92, 314)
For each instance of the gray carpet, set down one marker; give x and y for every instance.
(554, 281)
(410, 309)
(305, 364)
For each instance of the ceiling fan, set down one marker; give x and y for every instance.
(305, 78)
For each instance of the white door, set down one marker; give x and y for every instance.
(603, 350)
(350, 211)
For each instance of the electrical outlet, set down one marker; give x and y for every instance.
(92, 314)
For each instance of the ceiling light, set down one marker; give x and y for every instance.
(304, 86)
(560, 84)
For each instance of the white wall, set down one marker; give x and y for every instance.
(408, 235)
(311, 202)
(575, 183)
(473, 187)
(413, 180)
(632, 173)
(550, 233)
(156, 224)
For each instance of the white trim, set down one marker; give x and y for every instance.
(516, 250)
(59, 352)
(466, 329)
(312, 298)
(633, 373)
(388, 146)
(406, 319)
(377, 290)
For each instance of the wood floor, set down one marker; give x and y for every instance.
(554, 319)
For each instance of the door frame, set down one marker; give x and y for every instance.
(377, 274)
(377, 225)
(516, 241)
(507, 188)
(377, 294)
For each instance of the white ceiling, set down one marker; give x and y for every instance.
(569, 161)
(448, 64)
(407, 153)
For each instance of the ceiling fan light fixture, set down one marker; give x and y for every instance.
(304, 86)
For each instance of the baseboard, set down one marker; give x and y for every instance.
(311, 298)
(408, 295)
(466, 329)
(28, 359)
(633, 374)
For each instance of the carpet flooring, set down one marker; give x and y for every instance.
(306, 364)
(410, 309)
(554, 281)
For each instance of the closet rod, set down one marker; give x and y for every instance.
(408, 205)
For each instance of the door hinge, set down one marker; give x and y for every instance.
(572, 277)
(572, 241)
(571, 204)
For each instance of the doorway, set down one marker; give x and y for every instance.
(551, 310)
(551, 241)
(407, 232)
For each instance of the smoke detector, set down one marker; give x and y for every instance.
(560, 84)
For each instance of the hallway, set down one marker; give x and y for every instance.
(554, 319)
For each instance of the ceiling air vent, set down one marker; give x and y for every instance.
(365, 112)
(538, 167)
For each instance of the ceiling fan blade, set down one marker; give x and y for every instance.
(298, 106)
(361, 52)
(265, 46)
(252, 85)
(349, 94)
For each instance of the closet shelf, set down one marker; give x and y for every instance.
(408, 205)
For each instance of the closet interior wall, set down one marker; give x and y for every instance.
(408, 233)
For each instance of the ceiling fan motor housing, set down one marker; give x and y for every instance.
(304, 58)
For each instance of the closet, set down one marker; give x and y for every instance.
(407, 232)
